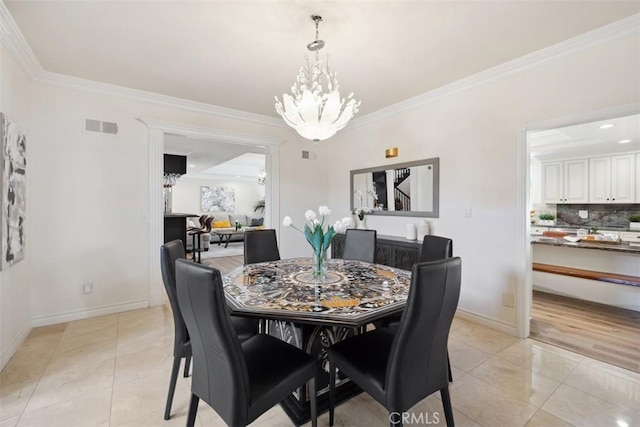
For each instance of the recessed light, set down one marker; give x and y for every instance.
(237, 176)
(624, 141)
(606, 126)
(192, 166)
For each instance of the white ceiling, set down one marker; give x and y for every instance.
(239, 54)
(587, 139)
(217, 160)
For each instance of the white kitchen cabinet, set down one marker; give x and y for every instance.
(612, 179)
(565, 182)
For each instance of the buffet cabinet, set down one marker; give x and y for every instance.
(393, 251)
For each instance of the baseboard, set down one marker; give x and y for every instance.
(487, 321)
(85, 314)
(15, 344)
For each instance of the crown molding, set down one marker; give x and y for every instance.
(156, 98)
(13, 40)
(572, 45)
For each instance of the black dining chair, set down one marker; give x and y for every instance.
(260, 246)
(400, 369)
(360, 245)
(434, 248)
(239, 381)
(245, 327)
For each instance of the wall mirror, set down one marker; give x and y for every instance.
(402, 189)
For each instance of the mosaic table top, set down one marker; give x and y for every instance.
(353, 293)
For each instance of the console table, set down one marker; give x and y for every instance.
(393, 251)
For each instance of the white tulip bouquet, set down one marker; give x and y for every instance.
(319, 238)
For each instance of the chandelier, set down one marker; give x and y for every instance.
(315, 110)
(262, 177)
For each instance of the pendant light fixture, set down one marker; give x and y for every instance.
(314, 108)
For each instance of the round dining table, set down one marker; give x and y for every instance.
(313, 314)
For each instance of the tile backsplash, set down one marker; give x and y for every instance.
(605, 216)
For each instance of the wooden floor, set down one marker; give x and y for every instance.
(225, 264)
(598, 331)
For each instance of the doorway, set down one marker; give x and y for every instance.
(157, 132)
(583, 314)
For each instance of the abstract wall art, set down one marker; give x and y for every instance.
(13, 166)
(216, 199)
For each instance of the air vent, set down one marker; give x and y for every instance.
(305, 154)
(97, 126)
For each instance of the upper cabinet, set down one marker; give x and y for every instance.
(612, 179)
(565, 181)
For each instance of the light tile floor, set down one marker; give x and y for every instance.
(114, 371)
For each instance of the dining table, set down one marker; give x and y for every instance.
(312, 313)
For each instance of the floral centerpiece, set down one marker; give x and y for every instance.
(319, 238)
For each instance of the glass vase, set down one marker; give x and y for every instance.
(318, 265)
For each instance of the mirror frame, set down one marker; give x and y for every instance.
(435, 162)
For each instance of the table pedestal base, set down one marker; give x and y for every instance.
(314, 340)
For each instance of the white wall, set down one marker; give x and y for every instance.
(15, 293)
(475, 134)
(90, 195)
(186, 196)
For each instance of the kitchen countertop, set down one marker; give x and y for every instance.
(585, 227)
(614, 247)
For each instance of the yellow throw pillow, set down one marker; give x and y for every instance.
(221, 224)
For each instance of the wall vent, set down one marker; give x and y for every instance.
(97, 126)
(305, 154)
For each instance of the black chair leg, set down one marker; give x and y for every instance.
(314, 406)
(193, 409)
(332, 391)
(187, 365)
(172, 386)
(446, 402)
(193, 247)
(449, 368)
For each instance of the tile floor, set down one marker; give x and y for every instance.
(114, 371)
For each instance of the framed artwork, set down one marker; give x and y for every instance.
(215, 199)
(13, 166)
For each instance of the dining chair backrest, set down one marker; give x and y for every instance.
(220, 375)
(260, 246)
(360, 245)
(169, 253)
(417, 364)
(435, 248)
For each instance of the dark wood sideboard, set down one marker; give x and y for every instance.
(393, 251)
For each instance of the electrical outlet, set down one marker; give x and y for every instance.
(583, 214)
(467, 212)
(508, 299)
(87, 288)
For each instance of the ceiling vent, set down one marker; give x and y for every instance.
(97, 126)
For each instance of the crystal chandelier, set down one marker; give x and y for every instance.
(262, 177)
(316, 113)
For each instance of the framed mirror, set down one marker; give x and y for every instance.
(402, 189)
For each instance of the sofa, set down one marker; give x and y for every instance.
(228, 223)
